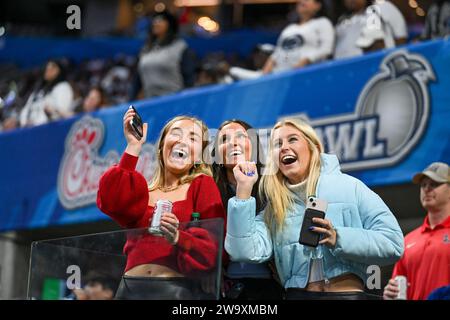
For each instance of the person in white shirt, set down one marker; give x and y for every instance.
(51, 100)
(309, 41)
(368, 14)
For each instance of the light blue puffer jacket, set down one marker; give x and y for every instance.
(367, 231)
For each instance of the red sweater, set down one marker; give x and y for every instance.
(123, 195)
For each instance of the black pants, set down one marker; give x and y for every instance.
(156, 288)
(298, 294)
(254, 289)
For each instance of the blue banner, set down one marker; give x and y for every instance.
(385, 115)
(31, 52)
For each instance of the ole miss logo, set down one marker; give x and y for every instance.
(82, 166)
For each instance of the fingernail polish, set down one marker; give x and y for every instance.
(311, 228)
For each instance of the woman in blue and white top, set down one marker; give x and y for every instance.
(308, 41)
(359, 230)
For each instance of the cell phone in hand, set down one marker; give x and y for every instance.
(137, 125)
(315, 208)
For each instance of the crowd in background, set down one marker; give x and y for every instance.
(167, 65)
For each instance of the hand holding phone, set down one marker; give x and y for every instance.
(135, 132)
(137, 125)
(315, 208)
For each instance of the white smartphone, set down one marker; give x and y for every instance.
(317, 204)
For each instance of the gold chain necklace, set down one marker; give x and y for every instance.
(171, 188)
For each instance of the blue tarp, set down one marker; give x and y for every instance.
(386, 115)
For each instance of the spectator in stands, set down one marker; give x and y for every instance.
(358, 230)
(362, 14)
(50, 100)
(212, 72)
(116, 82)
(95, 99)
(166, 64)
(437, 23)
(235, 142)
(15, 89)
(98, 287)
(309, 41)
(426, 260)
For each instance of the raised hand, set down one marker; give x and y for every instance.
(134, 145)
(246, 176)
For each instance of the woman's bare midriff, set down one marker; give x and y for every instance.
(152, 270)
(343, 283)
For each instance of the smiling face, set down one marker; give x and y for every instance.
(434, 195)
(182, 147)
(291, 153)
(234, 145)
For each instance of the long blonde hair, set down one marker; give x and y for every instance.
(195, 171)
(273, 183)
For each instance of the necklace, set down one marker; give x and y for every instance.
(171, 188)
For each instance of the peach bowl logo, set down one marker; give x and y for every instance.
(82, 166)
(390, 117)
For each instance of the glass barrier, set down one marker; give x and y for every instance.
(130, 264)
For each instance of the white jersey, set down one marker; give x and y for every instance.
(383, 15)
(313, 40)
(58, 100)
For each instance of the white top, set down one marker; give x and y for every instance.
(316, 266)
(298, 189)
(316, 273)
(313, 40)
(348, 30)
(58, 100)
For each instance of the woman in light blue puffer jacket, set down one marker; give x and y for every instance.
(357, 232)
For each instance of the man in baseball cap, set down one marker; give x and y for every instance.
(437, 171)
(426, 259)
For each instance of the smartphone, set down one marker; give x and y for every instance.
(136, 125)
(315, 208)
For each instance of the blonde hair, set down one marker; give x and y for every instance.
(273, 184)
(195, 171)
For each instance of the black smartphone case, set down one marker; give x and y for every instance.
(308, 237)
(136, 124)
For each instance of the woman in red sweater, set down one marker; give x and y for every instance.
(160, 269)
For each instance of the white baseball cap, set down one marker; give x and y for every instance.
(368, 36)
